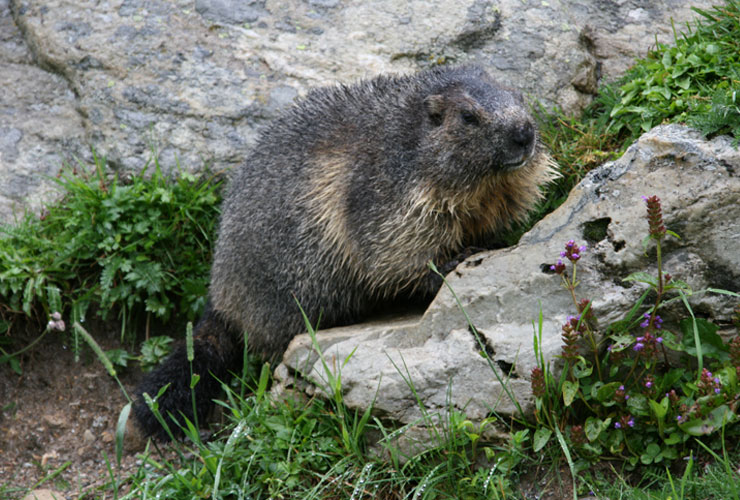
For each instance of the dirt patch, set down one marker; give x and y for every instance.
(60, 416)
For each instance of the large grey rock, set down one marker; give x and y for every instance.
(194, 79)
(39, 125)
(504, 291)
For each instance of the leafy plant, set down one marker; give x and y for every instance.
(629, 400)
(139, 249)
(695, 81)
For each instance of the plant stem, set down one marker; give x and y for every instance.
(571, 286)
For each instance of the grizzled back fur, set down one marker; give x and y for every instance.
(347, 197)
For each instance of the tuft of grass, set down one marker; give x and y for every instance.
(291, 447)
(690, 479)
(693, 81)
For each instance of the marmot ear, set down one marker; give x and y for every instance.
(435, 107)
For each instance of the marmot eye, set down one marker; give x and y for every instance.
(469, 117)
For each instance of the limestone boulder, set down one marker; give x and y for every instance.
(504, 292)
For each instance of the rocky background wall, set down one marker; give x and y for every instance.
(195, 79)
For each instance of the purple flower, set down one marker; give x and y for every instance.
(659, 340)
(646, 322)
(617, 425)
(638, 346)
(559, 267)
(572, 252)
(655, 216)
(631, 422)
(649, 384)
(621, 387)
(717, 390)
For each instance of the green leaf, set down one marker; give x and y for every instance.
(659, 409)
(671, 233)
(540, 439)
(154, 350)
(28, 296)
(570, 390)
(118, 357)
(638, 405)
(684, 83)
(673, 438)
(695, 60)
(678, 284)
(594, 427)
(121, 431)
(606, 392)
(651, 454)
(582, 368)
(666, 60)
(53, 299)
(642, 277)
(719, 417)
(711, 343)
(194, 380)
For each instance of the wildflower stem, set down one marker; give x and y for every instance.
(636, 378)
(571, 286)
(595, 349)
(659, 290)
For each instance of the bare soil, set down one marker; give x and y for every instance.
(57, 421)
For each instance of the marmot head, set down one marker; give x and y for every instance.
(474, 129)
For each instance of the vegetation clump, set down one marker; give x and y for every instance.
(643, 392)
(695, 81)
(137, 249)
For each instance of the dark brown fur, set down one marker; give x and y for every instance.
(345, 200)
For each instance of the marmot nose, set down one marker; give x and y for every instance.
(523, 135)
